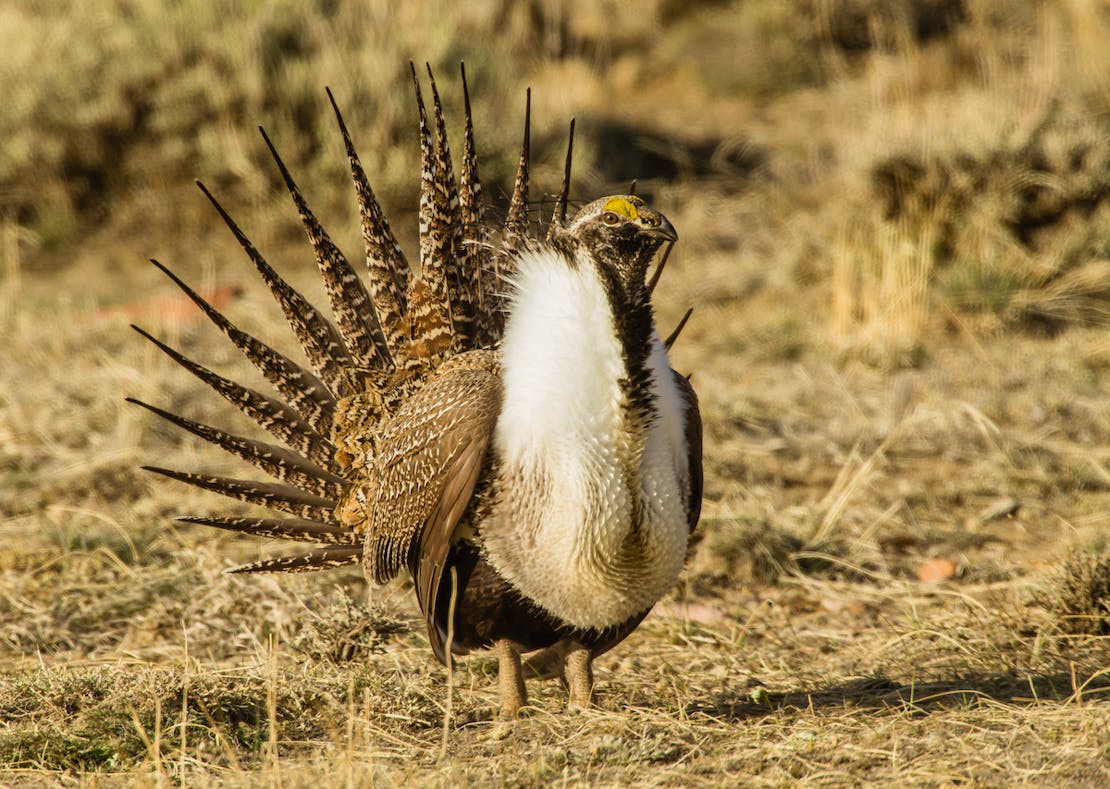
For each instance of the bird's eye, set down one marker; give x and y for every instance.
(611, 218)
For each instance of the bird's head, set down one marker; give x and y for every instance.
(621, 233)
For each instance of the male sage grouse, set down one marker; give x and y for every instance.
(505, 425)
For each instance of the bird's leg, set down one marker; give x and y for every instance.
(510, 679)
(579, 673)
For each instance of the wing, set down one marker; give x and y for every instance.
(693, 445)
(429, 459)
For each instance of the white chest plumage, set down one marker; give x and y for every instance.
(591, 530)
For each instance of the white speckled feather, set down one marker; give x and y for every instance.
(563, 530)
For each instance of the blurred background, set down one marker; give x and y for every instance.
(906, 160)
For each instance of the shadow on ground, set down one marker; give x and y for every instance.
(881, 693)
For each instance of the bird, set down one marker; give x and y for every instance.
(504, 425)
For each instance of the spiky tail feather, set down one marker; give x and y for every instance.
(354, 311)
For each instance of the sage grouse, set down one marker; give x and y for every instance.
(505, 425)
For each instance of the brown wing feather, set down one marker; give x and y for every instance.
(426, 461)
(436, 539)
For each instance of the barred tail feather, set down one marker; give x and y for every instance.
(516, 222)
(323, 559)
(430, 320)
(277, 496)
(295, 529)
(447, 230)
(515, 232)
(278, 462)
(427, 176)
(351, 305)
(470, 186)
(389, 270)
(478, 262)
(320, 341)
(305, 393)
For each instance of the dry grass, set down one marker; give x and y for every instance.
(894, 223)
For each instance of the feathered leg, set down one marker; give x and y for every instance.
(579, 673)
(510, 679)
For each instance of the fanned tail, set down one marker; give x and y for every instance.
(311, 480)
(388, 333)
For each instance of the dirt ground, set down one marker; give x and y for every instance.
(897, 246)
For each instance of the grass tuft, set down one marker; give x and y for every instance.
(1079, 596)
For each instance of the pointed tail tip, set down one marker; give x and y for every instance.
(670, 341)
(162, 266)
(466, 89)
(269, 143)
(527, 123)
(204, 189)
(560, 218)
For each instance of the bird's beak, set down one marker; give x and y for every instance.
(654, 223)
